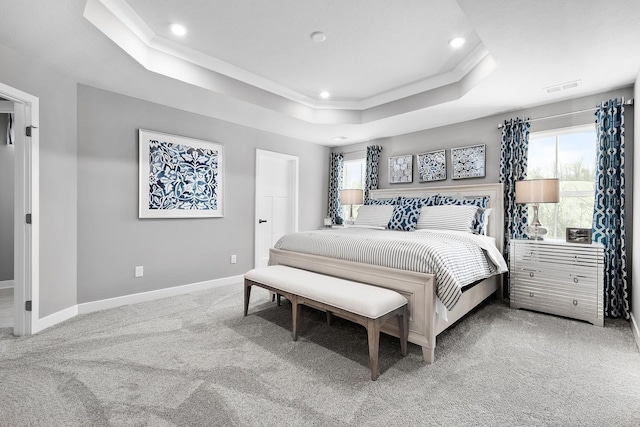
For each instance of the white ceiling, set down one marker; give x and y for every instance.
(387, 64)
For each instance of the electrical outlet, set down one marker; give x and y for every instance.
(139, 271)
(233, 259)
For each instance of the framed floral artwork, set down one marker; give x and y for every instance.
(401, 169)
(468, 162)
(432, 166)
(180, 177)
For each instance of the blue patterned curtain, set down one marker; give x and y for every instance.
(335, 185)
(373, 159)
(609, 206)
(514, 153)
(11, 137)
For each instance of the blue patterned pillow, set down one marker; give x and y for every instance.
(422, 201)
(481, 202)
(392, 201)
(405, 217)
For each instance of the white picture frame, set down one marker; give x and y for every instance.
(432, 166)
(401, 169)
(179, 177)
(468, 162)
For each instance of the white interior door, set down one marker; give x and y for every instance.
(26, 243)
(276, 201)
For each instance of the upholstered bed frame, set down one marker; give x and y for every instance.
(418, 288)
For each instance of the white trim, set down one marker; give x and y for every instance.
(562, 131)
(54, 319)
(90, 307)
(122, 25)
(636, 330)
(26, 197)
(6, 284)
(6, 107)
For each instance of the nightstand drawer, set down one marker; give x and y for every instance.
(555, 278)
(562, 305)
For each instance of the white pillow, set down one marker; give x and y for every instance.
(374, 215)
(447, 217)
(487, 212)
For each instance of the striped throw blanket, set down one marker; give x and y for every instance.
(456, 259)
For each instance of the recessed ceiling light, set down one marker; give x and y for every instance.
(339, 138)
(318, 36)
(178, 30)
(324, 94)
(456, 42)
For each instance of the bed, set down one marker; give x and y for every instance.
(428, 316)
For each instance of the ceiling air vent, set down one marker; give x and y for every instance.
(563, 86)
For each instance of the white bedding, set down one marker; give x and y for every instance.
(456, 259)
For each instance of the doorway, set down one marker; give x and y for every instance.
(276, 205)
(6, 213)
(26, 231)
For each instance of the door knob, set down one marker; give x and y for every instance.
(260, 221)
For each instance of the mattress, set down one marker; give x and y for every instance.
(457, 259)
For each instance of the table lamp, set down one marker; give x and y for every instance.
(351, 197)
(537, 191)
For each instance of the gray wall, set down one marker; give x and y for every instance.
(58, 175)
(6, 203)
(483, 131)
(111, 238)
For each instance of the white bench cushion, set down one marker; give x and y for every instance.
(365, 300)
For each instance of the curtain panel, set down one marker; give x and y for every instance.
(334, 210)
(11, 136)
(514, 151)
(609, 211)
(373, 160)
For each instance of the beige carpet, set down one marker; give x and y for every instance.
(193, 360)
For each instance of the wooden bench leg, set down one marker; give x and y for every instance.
(373, 335)
(247, 295)
(295, 312)
(403, 329)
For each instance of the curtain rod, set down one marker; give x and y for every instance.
(553, 116)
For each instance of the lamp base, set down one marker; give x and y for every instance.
(536, 232)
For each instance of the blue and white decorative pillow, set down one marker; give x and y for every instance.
(422, 201)
(405, 217)
(480, 202)
(392, 201)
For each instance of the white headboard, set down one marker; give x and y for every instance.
(494, 191)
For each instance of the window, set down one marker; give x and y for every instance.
(570, 155)
(353, 176)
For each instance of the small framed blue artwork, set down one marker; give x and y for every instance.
(401, 169)
(468, 162)
(432, 166)
(180, 177)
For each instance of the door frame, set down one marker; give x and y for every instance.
(26, 245)
(292, 162)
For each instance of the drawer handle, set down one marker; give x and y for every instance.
(575, 302)
(575, 280)
(531, 294)
(531, 274)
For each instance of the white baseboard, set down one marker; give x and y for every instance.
(636, 331)
(90, 307)
(54, 319)
(6, 284)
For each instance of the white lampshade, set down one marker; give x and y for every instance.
(351, 197)
(538, 191)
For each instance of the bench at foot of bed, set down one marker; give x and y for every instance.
(367, 305)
